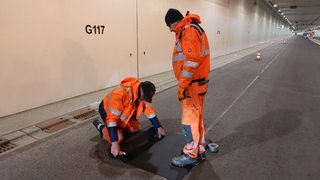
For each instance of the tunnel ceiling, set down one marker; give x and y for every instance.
(302, 14)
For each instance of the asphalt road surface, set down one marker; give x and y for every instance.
(263, 114)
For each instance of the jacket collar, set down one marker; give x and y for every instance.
(185, 21)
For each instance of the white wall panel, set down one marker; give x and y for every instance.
(155, 41)
(47, 56)
(154, 38)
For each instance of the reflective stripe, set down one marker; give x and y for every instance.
(202, 139)
(151, 116)
(206, 52)
(186, 74)
(178, 46)
(120, 136)
(129, 91)
(112, 124)
(99, 126)
(203, 47)
(147, 105)
(193, 25)
(124, 118)
(179, 57)
(113, 111)
(191, 64)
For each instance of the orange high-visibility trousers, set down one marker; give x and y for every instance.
(192, 122)
(132, 127)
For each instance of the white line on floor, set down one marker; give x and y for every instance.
(243, 91)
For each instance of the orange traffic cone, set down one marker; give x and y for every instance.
(258, 56)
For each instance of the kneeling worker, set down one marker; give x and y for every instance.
(120, 111)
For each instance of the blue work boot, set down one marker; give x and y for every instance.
(184, 160)
(99, 126)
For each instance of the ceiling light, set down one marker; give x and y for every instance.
(275, 5)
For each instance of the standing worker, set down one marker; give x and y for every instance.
(191, 66)
(120, 111)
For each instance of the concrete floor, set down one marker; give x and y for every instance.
(263, 114)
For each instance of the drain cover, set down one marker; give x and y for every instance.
(84, 113)
(54, 124)
(5, 145)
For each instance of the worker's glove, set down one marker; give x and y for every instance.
(181, 93)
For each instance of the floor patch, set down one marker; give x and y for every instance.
(155, 156)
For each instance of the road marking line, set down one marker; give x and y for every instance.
(315, 41)
(244, 91)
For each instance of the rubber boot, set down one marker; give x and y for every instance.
(99, 126)
(184, 160)
(202, 156)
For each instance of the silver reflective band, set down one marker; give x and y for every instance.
(147, 105)
(124, 118)
(113, 111)
(206, 52)
(179, 57)
(203, 47)
(151, 116)
(191, 64)
(186, 74)
(99, 126)
(178, 46)
(197, 27)
(120, 136)
(112, 124)
(129, 91)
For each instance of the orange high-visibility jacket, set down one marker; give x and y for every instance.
(191, 54)
(122, 104)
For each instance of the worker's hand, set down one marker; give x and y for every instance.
(161, 132)
(181, 93)
(115, 149)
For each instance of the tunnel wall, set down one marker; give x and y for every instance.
(55, 50)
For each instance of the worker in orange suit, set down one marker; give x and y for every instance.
(191, 66)
(120, 111)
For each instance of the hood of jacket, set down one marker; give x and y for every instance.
(187, 20)
(132, 83)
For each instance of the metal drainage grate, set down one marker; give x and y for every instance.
(84, 113)
(54, 124)
(5, 145)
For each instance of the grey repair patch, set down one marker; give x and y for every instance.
(187, 133)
